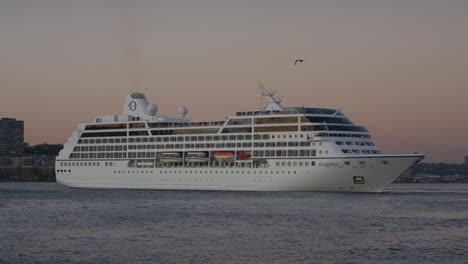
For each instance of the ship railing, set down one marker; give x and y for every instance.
(271, 112)
(192, 124)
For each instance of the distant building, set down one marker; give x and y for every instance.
(11, 136)
(466, 160)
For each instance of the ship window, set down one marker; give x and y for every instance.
(306, 163)
(248, 137)
(312, 163)
(136, 125)
(282, 144)
(232, 137)
(224, 137)
(313, 152)
(258, 153)
(240, 137)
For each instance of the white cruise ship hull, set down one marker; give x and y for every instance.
(340, 174)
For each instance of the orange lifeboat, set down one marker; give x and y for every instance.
(224, 156)
(244, 156)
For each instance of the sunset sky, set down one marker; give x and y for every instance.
(399, 67)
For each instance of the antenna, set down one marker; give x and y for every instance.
(274, 103)
(260, 85)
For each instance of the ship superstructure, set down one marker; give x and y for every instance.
(272, 149)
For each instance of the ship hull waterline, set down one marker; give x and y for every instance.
(328, 175)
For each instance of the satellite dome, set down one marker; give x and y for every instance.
(152, 109)
(183, 111)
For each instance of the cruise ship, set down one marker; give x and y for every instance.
(273, 149)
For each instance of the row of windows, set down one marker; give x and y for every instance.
(200, 145)
(334, 128)
(83, 164)
(285, 153)
(332, 120)
(354, 143)
(100, 155)
(256, 153)
(182, 139)
(294, 163)
(358, 151)
(106, 126)
(102, 148)
(185, 131)
(343, 135)
(203, 138)
(104, 134)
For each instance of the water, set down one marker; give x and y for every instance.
(413, 223)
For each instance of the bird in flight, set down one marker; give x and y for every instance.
(300, 60)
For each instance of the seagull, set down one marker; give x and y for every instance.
(297, 62)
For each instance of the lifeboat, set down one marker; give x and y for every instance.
(171, 157)
(224, 156)
(196, 156)
(244, 156)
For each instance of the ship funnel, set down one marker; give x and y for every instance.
(136, 104)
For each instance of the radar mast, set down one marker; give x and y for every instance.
(273, 102)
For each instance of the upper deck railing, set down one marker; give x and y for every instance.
(294, 110)
(192, 124)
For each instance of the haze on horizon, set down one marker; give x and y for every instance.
(399, 68)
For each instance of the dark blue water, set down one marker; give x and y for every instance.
(414, 223)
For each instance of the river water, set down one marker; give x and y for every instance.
(408, 223)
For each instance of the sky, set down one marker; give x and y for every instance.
(399, 68)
